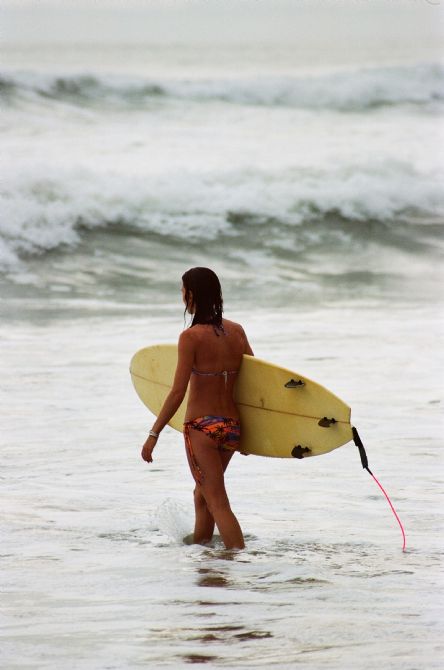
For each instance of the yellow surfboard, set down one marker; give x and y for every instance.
(283, 414)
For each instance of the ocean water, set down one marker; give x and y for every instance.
(319, 179)
(315, 191)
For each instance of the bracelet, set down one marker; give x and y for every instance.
(153, 434)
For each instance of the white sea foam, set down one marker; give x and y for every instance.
(262, 170)
(348, 89)
(44, 208)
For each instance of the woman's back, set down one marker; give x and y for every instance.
(217, 359)
(219, 349)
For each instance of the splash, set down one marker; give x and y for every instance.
(173, 519)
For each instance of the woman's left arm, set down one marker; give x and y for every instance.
(176, 395)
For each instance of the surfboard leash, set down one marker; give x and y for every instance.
(364, 460)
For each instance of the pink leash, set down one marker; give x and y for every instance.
(364, 461)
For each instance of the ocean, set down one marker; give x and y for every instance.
(315, 190)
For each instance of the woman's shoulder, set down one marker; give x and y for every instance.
(227, 323)
(186, 338)
(199, 331)
(233, 326)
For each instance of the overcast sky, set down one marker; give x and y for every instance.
(223, 21)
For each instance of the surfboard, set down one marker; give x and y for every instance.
(283, 414)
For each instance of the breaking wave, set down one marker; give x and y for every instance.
(354, 90)
(44, 211)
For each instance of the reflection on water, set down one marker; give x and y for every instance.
(210, 577)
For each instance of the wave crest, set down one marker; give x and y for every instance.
(279, 212)
(360, 89)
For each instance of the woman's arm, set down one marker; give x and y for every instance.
(176, 395)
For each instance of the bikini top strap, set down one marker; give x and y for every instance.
(214, 374)
(223, 374)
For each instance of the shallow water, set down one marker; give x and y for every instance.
(307, 175)
(95, 568)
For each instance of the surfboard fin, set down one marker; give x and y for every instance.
(298, 451)
(325, 422)
(293, 384)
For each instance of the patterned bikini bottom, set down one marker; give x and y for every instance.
(224, 430)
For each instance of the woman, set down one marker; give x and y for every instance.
(209, 357)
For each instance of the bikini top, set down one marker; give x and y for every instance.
(224, 373)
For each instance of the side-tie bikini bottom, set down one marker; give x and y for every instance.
(224, 430)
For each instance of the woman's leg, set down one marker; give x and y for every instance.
(212, 488)
(204, 525)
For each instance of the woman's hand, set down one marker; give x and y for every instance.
(148, 447)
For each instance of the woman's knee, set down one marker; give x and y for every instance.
(199, 499)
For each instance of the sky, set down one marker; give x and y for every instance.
(220, 21)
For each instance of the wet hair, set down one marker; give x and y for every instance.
(207, 296)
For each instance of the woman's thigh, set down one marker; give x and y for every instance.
(225, 457)
(211, 461)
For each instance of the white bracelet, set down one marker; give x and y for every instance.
(153, 434)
